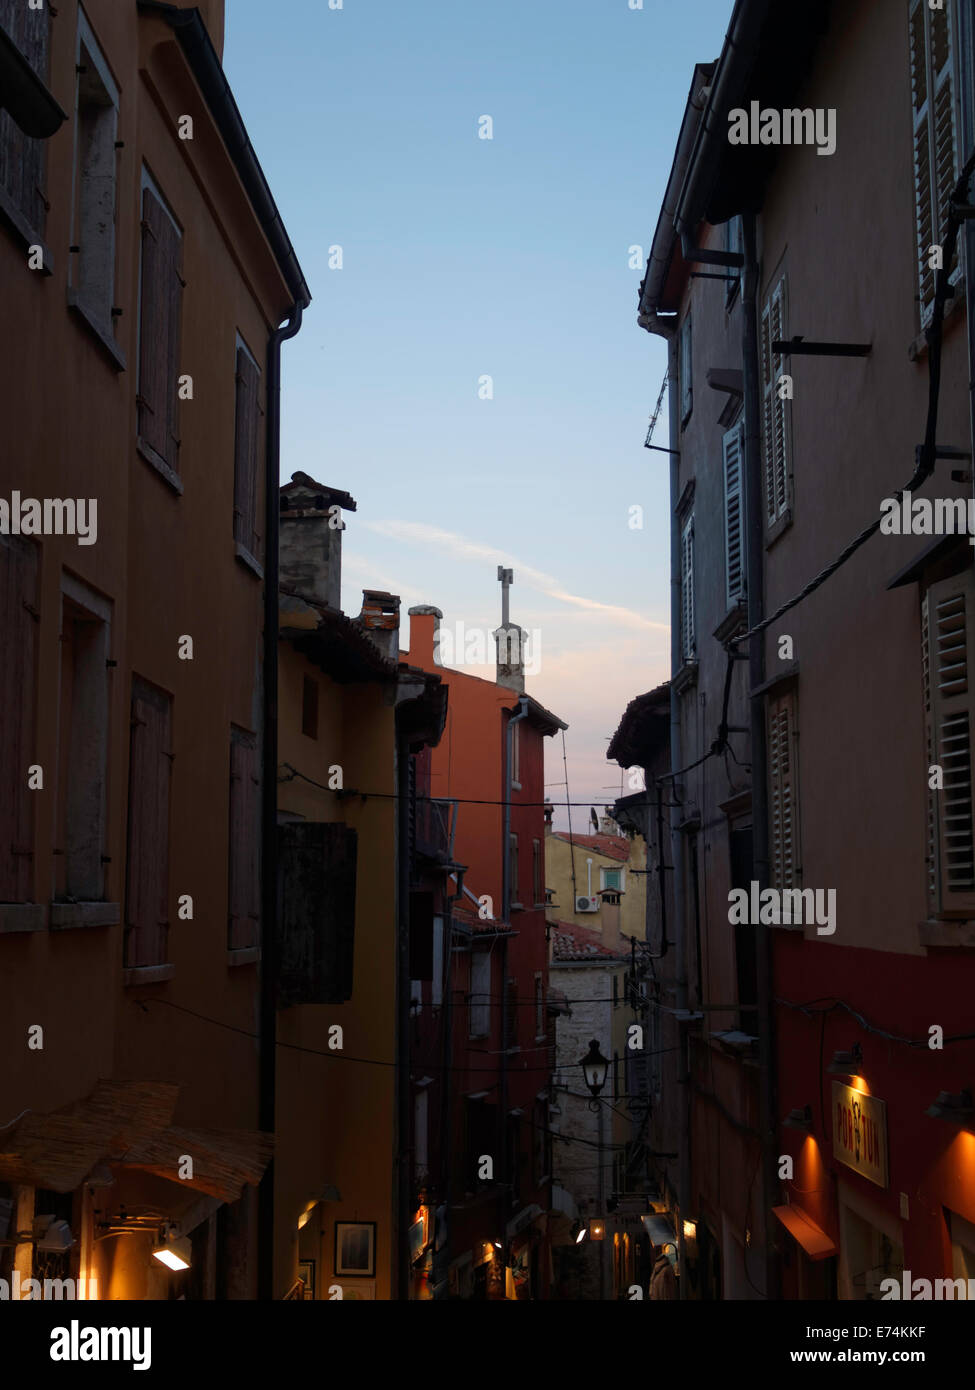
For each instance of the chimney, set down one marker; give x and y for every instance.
(549, 812)
(609, 914)
(311, 529)
(607, 825)
(380, 618)
(509, 641)
(425, 623)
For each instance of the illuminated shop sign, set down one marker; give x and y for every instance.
(860, 1132)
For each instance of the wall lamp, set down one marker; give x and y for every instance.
(594, 1067)
(847, 1063)
(174, 1253)
(800, 1117)
(958, 1108)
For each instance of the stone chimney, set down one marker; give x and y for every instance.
(549, 812)
(380, 618)
(311, 539)
(425, 623)
(607, 825)
(509, 641)
(609, 917)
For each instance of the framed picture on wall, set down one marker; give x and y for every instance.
(306, 1273)
(355, 1249)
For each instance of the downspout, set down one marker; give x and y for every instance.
(513, 719)
(755, 570)
(267, 1058)
(401, 1248)
(676, 835)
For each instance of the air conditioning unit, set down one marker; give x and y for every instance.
(587, 904)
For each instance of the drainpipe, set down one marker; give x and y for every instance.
(506, 922)
(676, 834)
(402, 1202)
(755, 569)
(269, 800)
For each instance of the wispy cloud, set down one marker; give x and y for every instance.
(463, 548)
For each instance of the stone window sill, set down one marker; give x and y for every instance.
(247, 955)
(66, 916)
(17, 917)
(147, 974)
(156, 461)
(685, 678)
(102, 334)
(245, 558)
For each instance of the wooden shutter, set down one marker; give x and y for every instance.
(244, 902)
(783, 799)
(159, 330)
(147, 853)
(316, 912)
(687, 589)
(947, 611)
(18, 623)
(21, 158)
(686, 371)
(734, 569)
(246, 529)
(773, 408)
(933, 111)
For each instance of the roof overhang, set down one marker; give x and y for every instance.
(813, 1239)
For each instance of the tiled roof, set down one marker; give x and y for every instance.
(613, 846)
(570, 942)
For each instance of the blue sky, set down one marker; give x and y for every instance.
(465, 257)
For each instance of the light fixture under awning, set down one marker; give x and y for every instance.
(813, 1239)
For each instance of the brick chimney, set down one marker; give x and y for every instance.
(380, 618)
(609, 916)
(425, 623)
(311, 539)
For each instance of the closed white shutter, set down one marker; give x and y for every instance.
(947, 612)
(686, 371)
(734, 567)
(933, 109)
(783, 799)
(774, 420)
(687, 635)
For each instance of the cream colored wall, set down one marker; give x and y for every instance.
(558, 876)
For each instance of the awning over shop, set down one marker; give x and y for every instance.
(813, 1239)
(128, 1124)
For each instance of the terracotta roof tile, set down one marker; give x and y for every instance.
(613, 846)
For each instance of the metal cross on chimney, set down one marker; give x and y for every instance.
(507, 579)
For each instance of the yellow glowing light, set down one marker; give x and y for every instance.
(690, 1230)
(175, 1255)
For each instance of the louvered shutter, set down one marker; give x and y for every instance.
(686, 371)
(18, 623)
(316, 912)
(21, 158)
(947, 612)
(783, 800)
(147, 852)
(774, 418)
(734, 570)
(159, 330)
(246, 530)
(243, 928)
(687, 589)
(933, 110)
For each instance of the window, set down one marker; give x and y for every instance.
(18, 621)
(309, 707)
(685, 369)
(783, 793)
(774, 420)
(733, 517)
(511, 1013)
(317, 865)
(516, 756)
(935, 141)
(480, 1015)
(945, 612)
(83, 743)
(537, 887)
(243, 928)
(539, 1006)
(733, 244)
(687, 636)
(21, 158)
(247, 452)
(611, 879)
(147, 852)
(93, 270)
(513, 870)
(160, 311)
